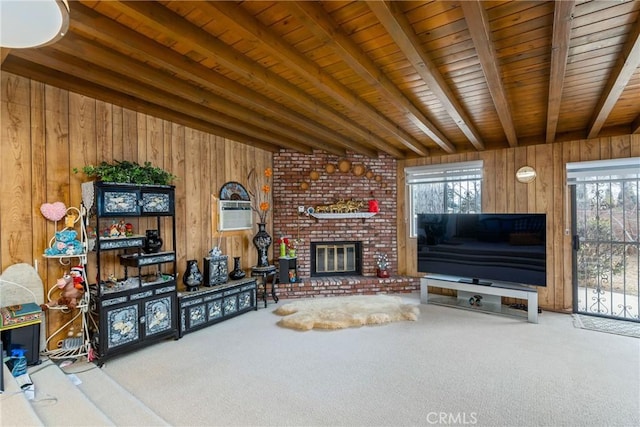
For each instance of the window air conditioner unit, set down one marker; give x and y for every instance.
(234, 215)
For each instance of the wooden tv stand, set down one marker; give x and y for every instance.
(491, 296)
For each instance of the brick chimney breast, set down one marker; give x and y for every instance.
(377, 234)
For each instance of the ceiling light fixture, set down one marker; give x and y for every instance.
(32, 23)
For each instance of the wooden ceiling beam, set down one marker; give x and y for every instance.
(478, 24)
(86, 21)
(562, 19)
(64, 81)
(122, 82)
(80, 48)
(316, 20)
(635, 125)
(259, 35)
(4, 52)
(400, 30)
(159, 18)
(627, 64)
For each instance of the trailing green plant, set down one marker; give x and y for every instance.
(128, 172)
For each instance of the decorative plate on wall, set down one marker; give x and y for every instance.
(344, 165)
(234, 191)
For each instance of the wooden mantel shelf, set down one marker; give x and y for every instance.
(359, 215)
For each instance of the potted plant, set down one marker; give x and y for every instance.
(382, 264)
(128, 172)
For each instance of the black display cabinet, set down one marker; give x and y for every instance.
(133, 302)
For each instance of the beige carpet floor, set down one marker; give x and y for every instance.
(451, 367)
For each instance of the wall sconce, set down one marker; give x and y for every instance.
(526, 174)
(33, 23)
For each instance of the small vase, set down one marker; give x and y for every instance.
(262, 241)
(192, 278)
(153, 242)
(237, 273)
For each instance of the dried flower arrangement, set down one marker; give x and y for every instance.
(382, 262)
(260, 192)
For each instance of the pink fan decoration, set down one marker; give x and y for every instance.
(53, 211)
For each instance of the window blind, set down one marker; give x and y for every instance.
(602, 170)
(443, 172)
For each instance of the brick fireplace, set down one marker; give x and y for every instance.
(305, 180)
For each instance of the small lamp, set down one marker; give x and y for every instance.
(35, 23)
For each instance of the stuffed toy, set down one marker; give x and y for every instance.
(70, 219)
(77, 273)
(65, 243)
(69, 293)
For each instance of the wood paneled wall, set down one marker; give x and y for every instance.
(46, 132)
(501, 192)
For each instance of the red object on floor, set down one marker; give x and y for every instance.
(382, 273)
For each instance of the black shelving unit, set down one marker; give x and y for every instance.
(132, 305)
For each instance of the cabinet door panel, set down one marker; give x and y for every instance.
(122, 326)
(214, 309)
(118, 202)
(244, 300)
(157, 202)
(230, 305)
(158, 315)
(197, 315)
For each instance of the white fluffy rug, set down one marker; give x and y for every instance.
(345, 312)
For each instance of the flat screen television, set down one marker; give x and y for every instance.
(483, 248)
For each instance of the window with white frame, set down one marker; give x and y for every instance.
(443, 188)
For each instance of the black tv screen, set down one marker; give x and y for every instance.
(483, 248)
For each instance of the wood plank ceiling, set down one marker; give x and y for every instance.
(411, 78)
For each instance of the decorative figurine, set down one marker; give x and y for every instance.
(113, 230)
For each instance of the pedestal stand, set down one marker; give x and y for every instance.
(268, 274)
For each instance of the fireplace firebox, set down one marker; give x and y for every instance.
(342, 258)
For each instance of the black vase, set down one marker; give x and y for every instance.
(192, 278)
(153, 242)
(237, 273)
(262, 241)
